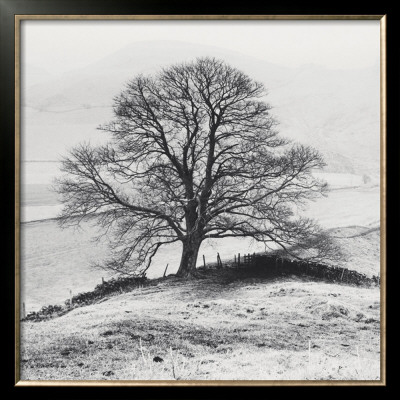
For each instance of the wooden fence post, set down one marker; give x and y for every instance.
(341, 278)
(204, 261)
(219, 262)
(102, 280)
(23, 310)
(239, 260)
(165, 270)
(235, 259)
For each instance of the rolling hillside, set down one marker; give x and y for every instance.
(222, 327)
(337, 111)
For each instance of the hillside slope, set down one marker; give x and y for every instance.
(224, 326)
(337, 111)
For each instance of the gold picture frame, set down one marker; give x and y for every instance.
(383, 66)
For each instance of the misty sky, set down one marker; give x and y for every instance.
(60, 46)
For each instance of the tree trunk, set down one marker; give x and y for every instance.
(190, 252)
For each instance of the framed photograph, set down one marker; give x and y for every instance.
(200, 200)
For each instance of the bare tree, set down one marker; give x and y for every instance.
(194, 154)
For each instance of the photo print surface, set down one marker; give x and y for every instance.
(200, 200)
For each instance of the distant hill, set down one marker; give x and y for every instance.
(32, 75)
(337, 111)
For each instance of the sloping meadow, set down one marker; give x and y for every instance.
(220, 326)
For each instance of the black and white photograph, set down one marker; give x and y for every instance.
(200, 199)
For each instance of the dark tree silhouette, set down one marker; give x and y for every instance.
(194, 154)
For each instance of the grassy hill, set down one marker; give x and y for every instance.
(226, 325)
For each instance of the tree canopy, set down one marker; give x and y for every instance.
(194, 154)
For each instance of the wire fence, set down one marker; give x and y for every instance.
(271, 264)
